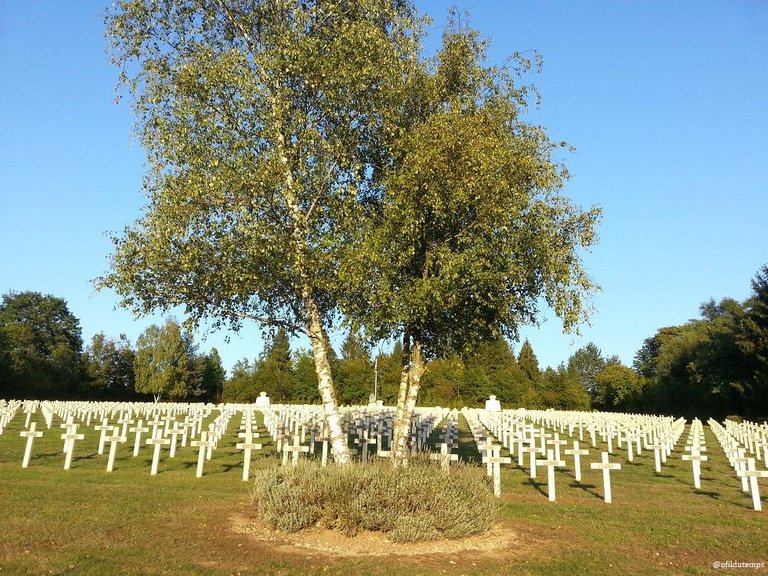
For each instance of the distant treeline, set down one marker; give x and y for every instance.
(711, 366)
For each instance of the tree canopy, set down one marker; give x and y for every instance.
(261, 121)
(41, 346)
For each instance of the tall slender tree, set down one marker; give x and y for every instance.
(261, 120)
(164, 362)
(471, 232)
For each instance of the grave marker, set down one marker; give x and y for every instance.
(577, 454)
(551, 462)
(606, 467)
(30, 435)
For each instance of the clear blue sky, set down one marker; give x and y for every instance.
(665, 102)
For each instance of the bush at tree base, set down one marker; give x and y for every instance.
(416, 503)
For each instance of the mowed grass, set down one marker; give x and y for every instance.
(87, 521)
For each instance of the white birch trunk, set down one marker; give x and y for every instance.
(401, 395)
(320, 345)
(403, 425)
(315, 329)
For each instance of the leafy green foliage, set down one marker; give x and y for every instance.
(213, 376)
(164, 363)
(471, 230)
(714, 365)
(586, 363)
(241, 386)
(354, 371)
(304, 379)
(274, 371)
(41, 346)
(108, 366)
(753, 340)
(258, 120)
(619, 388)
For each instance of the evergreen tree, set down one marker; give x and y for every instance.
(444, 384)
(389, 366)
(213, 376)
(240, 387)
(109, 368)
(528, 363)
(274, 372)
(355, 371)
(585, 364)
(753, 341)
(304, 379)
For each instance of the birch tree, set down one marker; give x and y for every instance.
(472, 233)
(260, 119)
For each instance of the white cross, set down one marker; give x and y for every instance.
(577, 454)
(30, 435)
(606, 467)
(550, 462)
(695, 459)
(247, 446)
(103, 428)
(203, 444)
(496, 460)
(138, 429)
(158, 442)
(753, 474)
(113, 439)
(69, 443)
(445, 457)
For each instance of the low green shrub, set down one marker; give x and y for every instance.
(416, 503)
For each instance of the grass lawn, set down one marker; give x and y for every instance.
(86, 521)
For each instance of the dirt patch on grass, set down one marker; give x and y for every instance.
(499, 540)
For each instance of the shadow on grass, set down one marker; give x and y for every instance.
(588, 488)
(713, 495)
(537, 485)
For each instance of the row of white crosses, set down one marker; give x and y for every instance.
(753, 436)
(7, 412)
(695, 446)
(449, 440)
(161, 420)
(526, 438)
(743, 465)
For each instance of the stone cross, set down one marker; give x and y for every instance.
(739, 463)
(445, 457)
(695, 459)
(606, 467)
(532, 450)
(577, 454)
(103, 428)
(550, 462)
(124, 421)
(495, 459)
(113, 440)
(174, 431)
(30, 435)
(247, 446)
(70, 437)
(138, 430)
(203, 445)
(556, 443)
(753, 474)
(657, 448)
(296, 449)
(158, 442)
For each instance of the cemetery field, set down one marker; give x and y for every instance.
(86, 521)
